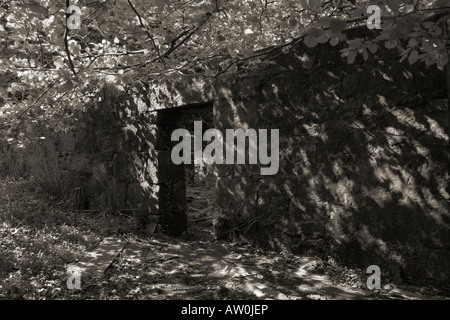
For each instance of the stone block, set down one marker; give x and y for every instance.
(237, 196)
(121, 168)
(236, 188)
(143, 197)
(119, 194)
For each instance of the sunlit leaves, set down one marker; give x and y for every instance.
(393, 5)
(112, 44)
(58, 62)
(74, 47)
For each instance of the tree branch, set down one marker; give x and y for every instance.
(146, 30)
(187, 34)
(66, 42)
(34, 103)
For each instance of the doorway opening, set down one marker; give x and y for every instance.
(196, 193)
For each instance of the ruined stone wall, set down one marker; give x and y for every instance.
(363, 173)
(362, 178)
(118, 158)
(110, 149)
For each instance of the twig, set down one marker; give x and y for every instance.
(32, 105)
(66, 42)
(146, 31)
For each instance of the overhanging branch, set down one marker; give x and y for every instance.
(66, 42)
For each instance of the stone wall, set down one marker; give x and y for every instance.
(363, 174)
(118, 158)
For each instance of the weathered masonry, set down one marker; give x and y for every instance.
(363, 171)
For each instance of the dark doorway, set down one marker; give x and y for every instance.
(187, 191)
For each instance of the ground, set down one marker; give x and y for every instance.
(39, 240)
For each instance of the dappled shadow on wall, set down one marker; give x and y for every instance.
(361, 178)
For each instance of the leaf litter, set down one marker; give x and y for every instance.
(39, 241)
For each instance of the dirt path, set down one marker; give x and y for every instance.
(168, 268)
(202, 270)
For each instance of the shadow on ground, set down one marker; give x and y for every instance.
(183, 268)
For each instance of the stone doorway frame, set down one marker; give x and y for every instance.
(171, 186)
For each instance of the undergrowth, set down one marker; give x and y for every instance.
(38, 240)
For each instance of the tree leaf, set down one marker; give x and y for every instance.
(365, 54)
(316, 32)
(59, 64)
(337, 26)
(427, 46)
(393, 5)
(351, 57)
(413, 57)
(324, 22)
(334, 41)
(292, 22)
(373, 47)
(403, 26)
(284, 24)
(430, 60)
(391, 44)
(311, 41)
(443, 59)
(68, 86)
(323, 38)
(442, 3)
(413, 42)
(395, 34)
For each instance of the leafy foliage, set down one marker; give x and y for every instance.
(49, 71)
